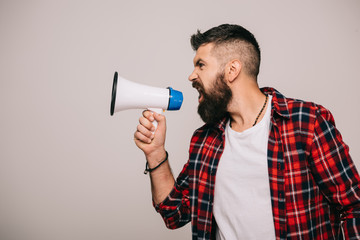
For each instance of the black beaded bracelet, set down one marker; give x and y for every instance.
(147, 169)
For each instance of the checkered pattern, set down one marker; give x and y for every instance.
(313, 182)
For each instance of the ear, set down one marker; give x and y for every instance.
(233, 69)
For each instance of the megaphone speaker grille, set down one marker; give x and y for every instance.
(113, 95)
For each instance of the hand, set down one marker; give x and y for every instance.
(152, 144)
(149, 140)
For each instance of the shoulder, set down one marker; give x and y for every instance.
(302, 110)
(297, 109)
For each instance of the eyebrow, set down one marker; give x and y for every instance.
(198, 62)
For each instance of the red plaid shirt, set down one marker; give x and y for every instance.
(313, 182)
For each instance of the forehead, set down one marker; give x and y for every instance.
(204, 52)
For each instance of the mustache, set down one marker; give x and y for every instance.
(198, 86)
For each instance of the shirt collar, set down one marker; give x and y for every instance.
(279, 102)
(222, 124)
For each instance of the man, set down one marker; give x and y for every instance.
(282, 170)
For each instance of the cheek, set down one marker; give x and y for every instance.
(207, 77)
(208, 83)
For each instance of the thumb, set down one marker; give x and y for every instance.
(161, 122)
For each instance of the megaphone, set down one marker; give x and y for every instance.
(130, 95)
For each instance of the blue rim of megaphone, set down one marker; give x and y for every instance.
(113, 95)
(175, 99)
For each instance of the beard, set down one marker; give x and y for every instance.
(213, 106)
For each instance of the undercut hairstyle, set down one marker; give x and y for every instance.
(230, 42)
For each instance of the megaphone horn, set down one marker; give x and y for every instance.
(130, 95)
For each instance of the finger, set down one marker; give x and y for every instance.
(146, 123)
(160, 119)
(144, 131)
(149, 115)
(138, 136)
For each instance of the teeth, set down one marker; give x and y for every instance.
(199, 89)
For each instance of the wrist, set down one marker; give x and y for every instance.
(156, 157)
(149, 170)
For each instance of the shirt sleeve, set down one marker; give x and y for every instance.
(175, 209)
(335, 172)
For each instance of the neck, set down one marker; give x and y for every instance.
(246, 105)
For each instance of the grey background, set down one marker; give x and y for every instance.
(69, 171)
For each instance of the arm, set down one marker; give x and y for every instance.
(335, 172)
(175, 209)
(152, 144)
(170, 199)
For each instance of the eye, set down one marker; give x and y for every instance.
(199, 64)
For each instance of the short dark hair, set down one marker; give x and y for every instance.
(234, 37)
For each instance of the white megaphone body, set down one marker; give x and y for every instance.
(130, 95)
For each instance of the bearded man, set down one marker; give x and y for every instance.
(281, 168)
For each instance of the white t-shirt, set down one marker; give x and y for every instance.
(242, 203)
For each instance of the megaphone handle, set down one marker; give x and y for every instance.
(157, 110)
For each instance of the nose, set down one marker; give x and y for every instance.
(193, 76)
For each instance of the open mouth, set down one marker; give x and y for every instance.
(200, 90)
(201, 96)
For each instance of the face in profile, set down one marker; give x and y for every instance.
(208, 78)
(213, 101)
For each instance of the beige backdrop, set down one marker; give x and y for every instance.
(69, 171)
